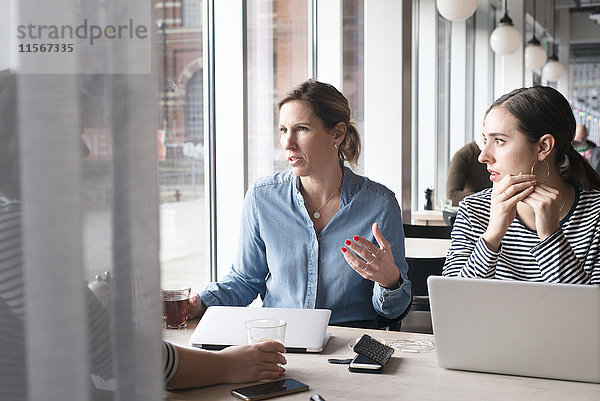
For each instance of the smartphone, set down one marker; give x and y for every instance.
(271, 389)
(362, 364)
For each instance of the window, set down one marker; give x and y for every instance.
(277, 61)
(194, 108)
(191, 12)
(180, 139)
(443, 107)
(353, 64)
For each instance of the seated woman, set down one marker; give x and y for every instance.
(540, 221)
(183, 367)
(318, 235)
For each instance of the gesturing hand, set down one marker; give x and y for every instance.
(373, 262)
(506, 194)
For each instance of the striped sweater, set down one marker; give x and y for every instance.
(570, 255)
(13, 369)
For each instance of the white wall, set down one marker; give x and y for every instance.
(229, 110)
(383, 93)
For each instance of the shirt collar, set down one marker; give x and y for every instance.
(348, 185)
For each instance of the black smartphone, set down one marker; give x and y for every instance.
(363, 364)
(270, 389)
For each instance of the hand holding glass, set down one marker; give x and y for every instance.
(175, 305)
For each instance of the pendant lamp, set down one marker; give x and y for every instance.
(553, 70)
(456, 10)
(505, 39)
(535, 55)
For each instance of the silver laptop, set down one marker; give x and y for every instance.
(517, 328)
(222, 326)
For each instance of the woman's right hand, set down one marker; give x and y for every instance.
(196, 307)
(505, 195)
(258, 361)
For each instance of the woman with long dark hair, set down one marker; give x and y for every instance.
(540, 221)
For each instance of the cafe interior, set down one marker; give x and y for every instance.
(135, 152)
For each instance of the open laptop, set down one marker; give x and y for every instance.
(222, 326)
(517, 327)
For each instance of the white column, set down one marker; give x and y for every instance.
(484, 65)
(458, 68)
(230, 122)
(427, 100)
(329, 42)
(383, 93)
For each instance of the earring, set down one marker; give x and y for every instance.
(335, 146)
(547, 171)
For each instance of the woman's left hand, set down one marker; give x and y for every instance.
(544, 201)
(373, 263)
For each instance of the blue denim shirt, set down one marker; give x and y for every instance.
(282, 258)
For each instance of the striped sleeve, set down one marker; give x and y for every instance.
(468, 255)
(170, 359)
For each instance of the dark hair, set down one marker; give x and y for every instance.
(542, 110)
(331, 107)
(9, 159)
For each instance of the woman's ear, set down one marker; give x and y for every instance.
(339, 132)
(545, 146)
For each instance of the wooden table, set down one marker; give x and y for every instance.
(426, 247)
(428, 218)
(407, 376)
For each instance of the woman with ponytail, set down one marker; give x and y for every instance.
(540, 221)
(318, 235)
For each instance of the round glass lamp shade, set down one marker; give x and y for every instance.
(456, 10)
(535, 56)
(505, 39)
(553, 70)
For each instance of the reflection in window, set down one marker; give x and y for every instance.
(179, 136)
(191, 12)
(194, 108)
(353, 64)
(277, 61)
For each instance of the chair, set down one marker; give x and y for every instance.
(418, 318)
(449, 216)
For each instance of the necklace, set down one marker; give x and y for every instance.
(563, 205)
(316, 214)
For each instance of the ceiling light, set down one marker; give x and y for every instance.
(553, 70)
(456, 10)
(535, 55)
(505, 39)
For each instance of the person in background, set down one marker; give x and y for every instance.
(466, 175)
(318, 235)
(540, 221)
(595, 159)
(182, 367)
(581, 143)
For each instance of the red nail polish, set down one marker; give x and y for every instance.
(356, 238)
(348, 242)
(344, 250)
(280, 374)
